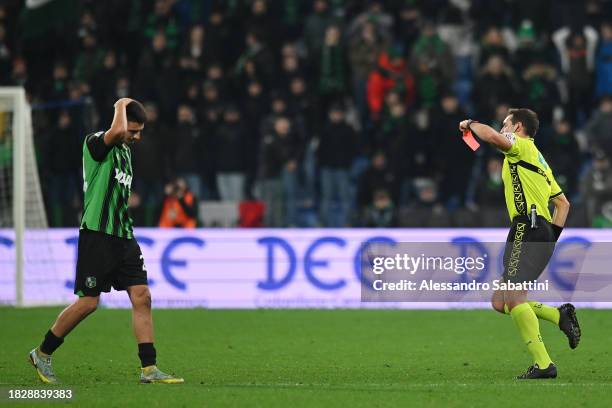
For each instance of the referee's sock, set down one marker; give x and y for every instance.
(527, 324)
(542, 311)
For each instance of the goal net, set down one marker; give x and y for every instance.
(28, 265)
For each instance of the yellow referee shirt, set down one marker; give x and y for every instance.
(527, 178)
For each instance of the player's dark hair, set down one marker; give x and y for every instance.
(528, 118)
(135, 112)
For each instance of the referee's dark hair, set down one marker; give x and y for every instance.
(528, 118)
(135, 112)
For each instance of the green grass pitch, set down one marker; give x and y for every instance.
(313, 358)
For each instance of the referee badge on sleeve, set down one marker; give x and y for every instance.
(510, 136)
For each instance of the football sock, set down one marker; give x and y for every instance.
(542, 311)
(147, 354)
(50, 343)
(527, 324)
(545, 312)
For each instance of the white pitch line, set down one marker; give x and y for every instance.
(518, 383)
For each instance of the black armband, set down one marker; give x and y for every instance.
(557, 230)
(97, 147)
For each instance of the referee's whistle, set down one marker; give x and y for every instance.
(534, 216)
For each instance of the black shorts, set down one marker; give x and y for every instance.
(527, 250)
(106, 260)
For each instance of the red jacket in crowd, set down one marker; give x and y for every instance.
(389, 75)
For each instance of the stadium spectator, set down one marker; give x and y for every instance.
(596, 188)
(496, 84)
(381, 212)
(256, 61)
(180, 208)
(427, 192)
(261, 20)
(216, 75)
(454, 164)
(391, 74)
(87, 24)
(374, 15)
(337, 149)
(577, 52)
(291, 66)
(162, 19)
(218, 39)
(107, 91)
(540, 89)
(230, 155)
(364, 49)
(157, 77)
(561, 142)
(493, 43)
(187, 148)
(377, 176)
(528, 48)
(191, 95)
(603, 62)
(19, 75)
(90, 60)
(316, 25)
(255, 105)
(301, 105)
(292, 18)
(57, 88)
(331, 69)
(429, 83)
(151, 166)
(279, 106)
(407, 150)
(280, 153)
(599, 128)
(436, 54)
(408, 27)
(192, 57)
(211, 101)
(103, 84)
(210, 115)
(490, 186)
(61, 167)
(501, 112)
(194, 48)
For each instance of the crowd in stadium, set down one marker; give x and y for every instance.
(318, 113)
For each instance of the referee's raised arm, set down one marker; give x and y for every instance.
(486, 134)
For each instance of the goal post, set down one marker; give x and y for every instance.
(21, 202)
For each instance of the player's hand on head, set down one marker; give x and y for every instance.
(122, 101)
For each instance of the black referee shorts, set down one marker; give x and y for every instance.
(527, 250)
(105, 260)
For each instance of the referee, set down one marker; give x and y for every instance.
(529, 187)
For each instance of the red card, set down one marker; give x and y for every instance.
(470, 140)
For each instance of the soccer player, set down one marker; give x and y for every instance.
(108, 254)
(529, 186)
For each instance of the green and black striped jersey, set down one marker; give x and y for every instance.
(107, 178)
